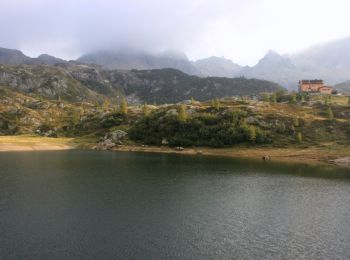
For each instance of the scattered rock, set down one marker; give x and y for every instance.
(37, 104)
(266, 158)
(172, 112)
(252, 120)
(165, 141)
(185, 102)
(105, 145)
(345, 161)
(50, 133)
(111, 140)
(117, 136)
(191, 111)
(179, 148)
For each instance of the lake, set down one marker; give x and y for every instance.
(109, 205)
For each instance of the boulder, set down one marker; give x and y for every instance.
(342, 161)
(105, 145)
(252, 120)
(172, 112)
(50, 133)
(266, 158)
(117, 136)
(165, 141)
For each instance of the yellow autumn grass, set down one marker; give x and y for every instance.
(32, 143)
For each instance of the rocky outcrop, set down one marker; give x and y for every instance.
(105, 145)
(117, 136)
(111, 140)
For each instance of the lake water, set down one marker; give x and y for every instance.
(106, 205)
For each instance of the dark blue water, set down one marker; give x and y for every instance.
(105, 205)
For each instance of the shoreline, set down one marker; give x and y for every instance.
(292, 155)
(328, 156)
(338, 156)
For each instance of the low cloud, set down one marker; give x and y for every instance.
(240, 30)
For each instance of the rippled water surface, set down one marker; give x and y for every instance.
(105, 205)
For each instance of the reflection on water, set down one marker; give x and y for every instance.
(80, 204)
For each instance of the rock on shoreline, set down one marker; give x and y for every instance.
(344, 161)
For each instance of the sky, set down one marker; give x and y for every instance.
(239, 30)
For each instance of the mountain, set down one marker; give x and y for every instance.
(330, 61)
(216, 66)
(277, 68)
(16, 57)
(78, 82)
(48, 81)
(12, 57)
(171, 86)
(343, 87)
(333, 55)
(46, 59)
(130, 59)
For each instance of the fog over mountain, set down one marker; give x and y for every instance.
(217, 66)
(242, 31)
(127, 59)
(330, 62)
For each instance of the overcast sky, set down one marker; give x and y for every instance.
(241, 30)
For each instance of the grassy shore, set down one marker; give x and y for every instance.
(34, 143)
(326, 154)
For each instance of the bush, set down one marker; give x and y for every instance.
(180, 141)
(113, 120)
(203, 129)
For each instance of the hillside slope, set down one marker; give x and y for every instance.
(343, 87)
(232, 122)
(74, 82)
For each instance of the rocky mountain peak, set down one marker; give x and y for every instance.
(274, 59)
(12, 57)
(48, 59)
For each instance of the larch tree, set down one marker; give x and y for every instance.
(182, 115)
(124, 107)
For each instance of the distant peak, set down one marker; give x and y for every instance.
(216, 58)
(272, 56)
(45, 56)
(272, 53)
(49, 59)
(11, 51)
